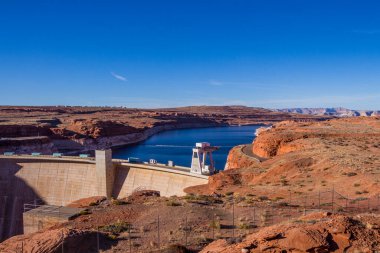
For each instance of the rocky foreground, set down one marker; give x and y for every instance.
(318, 232)
(146, 222)
(70, 129)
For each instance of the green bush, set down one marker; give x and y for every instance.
(173, 203)
(262, 198)
(116, 228)
(84, 212)
(215, 224)
(119, 202)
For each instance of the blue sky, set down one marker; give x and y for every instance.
(272, 54)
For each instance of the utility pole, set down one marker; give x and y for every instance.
(97, 238)
(63, 242)
(213, 226)
(186, 228)
(332, 199)
(130, 241)
(158, 231)
(233, 217)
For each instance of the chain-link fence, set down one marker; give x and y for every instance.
(238, 218)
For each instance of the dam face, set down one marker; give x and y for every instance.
(60, 181)
(26, 180)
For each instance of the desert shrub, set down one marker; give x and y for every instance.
(84, 212)
(112, 236)
(175, 249)
(215, 224)
(173, 203)
(262, 198)
(351, 174)
(283, 204)
(116, 228)
(119, 202)
(340, 209)
(284, 182)
(356, 185)
(243, 225)
(202, 239)
(192, 198)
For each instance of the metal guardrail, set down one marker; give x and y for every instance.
(54, 155)
(42, 205)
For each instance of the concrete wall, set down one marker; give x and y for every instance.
(105, 172)
(22, 181)
(46, 216)
(131, 177)
(34, 223)
(60, 181)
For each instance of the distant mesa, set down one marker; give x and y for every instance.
(337, 112)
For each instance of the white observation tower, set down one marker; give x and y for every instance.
(199, 159)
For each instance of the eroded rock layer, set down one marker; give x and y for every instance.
(318, 232)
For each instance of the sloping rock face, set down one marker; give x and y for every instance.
(318, 232)
(288, 136)
(56, 241)
(237, 158)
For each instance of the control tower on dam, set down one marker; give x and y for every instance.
(60, 180)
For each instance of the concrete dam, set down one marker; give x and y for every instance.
(62, 180)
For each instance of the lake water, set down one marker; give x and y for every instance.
(176, 145)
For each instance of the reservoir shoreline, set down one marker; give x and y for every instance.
(176, 144)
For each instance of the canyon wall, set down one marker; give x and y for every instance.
(79, 129)
(103, 142)
(27, 145)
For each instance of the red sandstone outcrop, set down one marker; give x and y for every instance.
(238, 159)
(55, 241)
(86, 202)
(288, 136)
(319, 232)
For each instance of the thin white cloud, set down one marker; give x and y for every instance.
(119, 77)
(215, 83)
